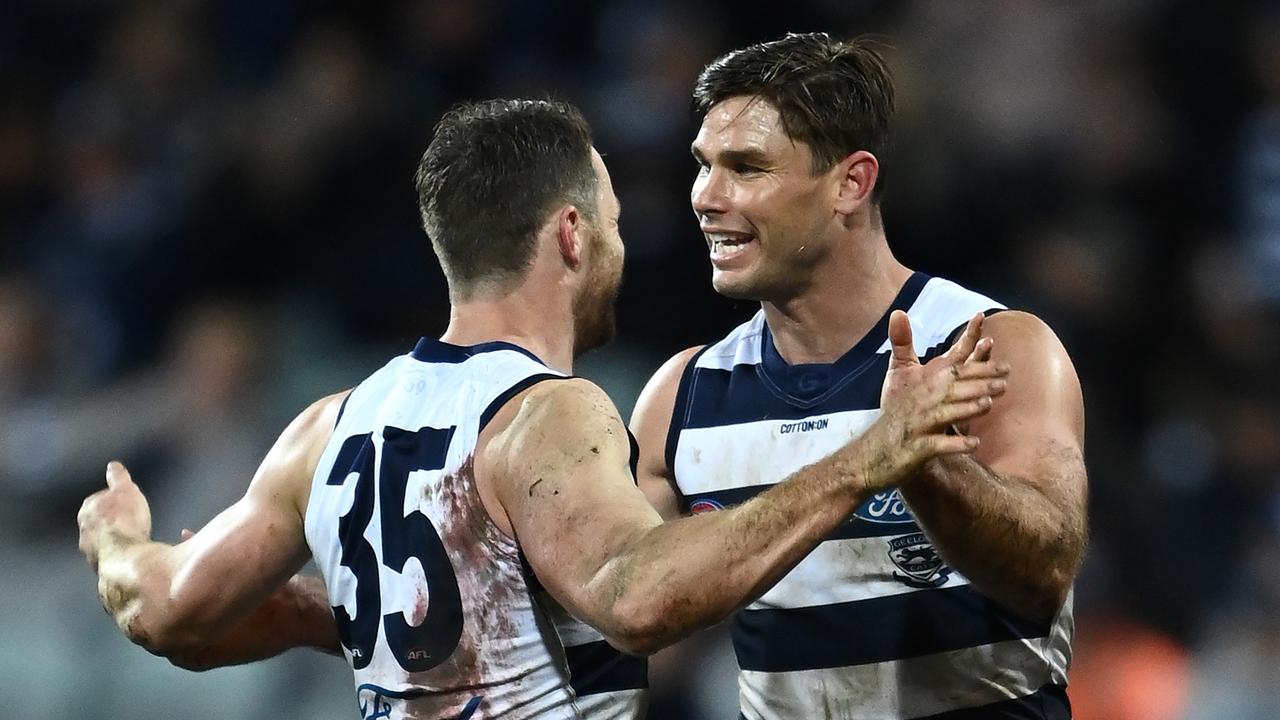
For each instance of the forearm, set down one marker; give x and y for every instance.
(296, 615)
(135, 583)
(690, 573)
(171, 599)
(1017, 542)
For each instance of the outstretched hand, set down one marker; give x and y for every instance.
(918, 403)
(118, 512)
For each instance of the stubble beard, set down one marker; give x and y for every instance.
(595, 319)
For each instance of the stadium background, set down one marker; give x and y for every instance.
(207, 219)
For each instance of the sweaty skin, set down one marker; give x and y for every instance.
(555, 460)
(1011, 517)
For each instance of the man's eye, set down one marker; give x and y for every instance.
(744, 169)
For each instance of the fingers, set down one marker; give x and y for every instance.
(986, 369)
(901, 344)
(953, 412)
(982, 353)
(968, 340)
(974, 389)
(931, 446)
(117, 474)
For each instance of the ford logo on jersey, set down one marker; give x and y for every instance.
(885, 507)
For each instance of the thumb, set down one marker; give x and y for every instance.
(186, 535)
(900, 342)
(117, 474)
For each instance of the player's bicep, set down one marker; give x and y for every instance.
(1036, 429)
(651, 423)
(561, 468)
(237, 560)
(254, 546)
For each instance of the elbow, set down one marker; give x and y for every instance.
(636, 644)
(1046, 592)
(637, 627)
(1056, 588)
(1050, 596)
(1044, 596)
(1055, 583)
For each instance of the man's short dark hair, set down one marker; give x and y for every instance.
(835, 96)
(492, 172)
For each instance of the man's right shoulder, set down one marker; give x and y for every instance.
(562, 394)
(559, 406)
(547, 428)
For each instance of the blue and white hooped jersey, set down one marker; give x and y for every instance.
(872, 625)
(438, 614)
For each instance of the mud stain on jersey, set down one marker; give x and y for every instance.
(490, 582)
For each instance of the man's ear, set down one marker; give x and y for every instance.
(571, 235)
(856, 178)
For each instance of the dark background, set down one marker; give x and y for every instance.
(207, 219)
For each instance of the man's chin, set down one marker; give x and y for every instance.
(735, 288)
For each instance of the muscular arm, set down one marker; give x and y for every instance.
(1011, 517)
(558, 454)
(296, 615)
(173, 598)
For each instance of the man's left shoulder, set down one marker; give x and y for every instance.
(1017, 329)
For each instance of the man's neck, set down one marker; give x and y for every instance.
(519, 320)
(842, 303)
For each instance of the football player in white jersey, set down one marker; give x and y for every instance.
(524, 220)
(787, 194)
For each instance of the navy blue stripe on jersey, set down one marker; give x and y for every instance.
(596, 667)
(634, 461)
(513, 391)
(855, 527)
(809, 384)
(1048, 703)
(718, 499)
(852, 528)
(351, 457)
(945, 345)
(430, 350)
(679, 416)
(343, 407)
(723, 397)
(874, 630)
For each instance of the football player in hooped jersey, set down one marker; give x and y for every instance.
(948, 597)
(423, 492)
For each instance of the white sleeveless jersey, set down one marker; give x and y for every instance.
(438, 614)
(871, 625)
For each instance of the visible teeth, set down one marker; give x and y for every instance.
(718, 239)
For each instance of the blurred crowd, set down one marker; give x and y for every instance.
(207, 219)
